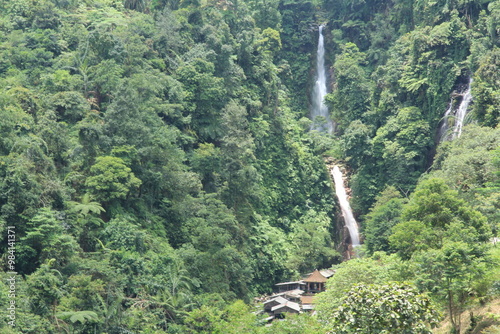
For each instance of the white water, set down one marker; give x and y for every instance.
(446, 131)
(462, 111)
(444, 126)
(319, 91)
(350, 222)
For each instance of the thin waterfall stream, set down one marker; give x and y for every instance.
(444, 125)
(462, 110)
(454, 117)
(350, 222)
(319, 114)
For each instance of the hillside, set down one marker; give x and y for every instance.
(158, 169)
(484, 319)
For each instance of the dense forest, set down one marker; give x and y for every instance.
(158, 171)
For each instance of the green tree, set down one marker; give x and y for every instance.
(446, 241)
(204, 97)
(238, 318)
(240, 173)
(350, 98)
(493, 189)
(45, 289)
(21, 188)
(295, 324)
(203, 320)
(412, 236)
(357, 143)
(270, 42)
(84, 293)
(86, 206)
(225, 271)
(449, 274)
(384, 215)
(70, 319)
(46, 239)
(436, 205)
(111, 179)
(232, 319)
(429, 214)
(485, 88)
(207, 161)
(390, 308)
(469, 165)
(466, 163)
(266, 13)
(401, 146)
(311, 246)
(377, 270)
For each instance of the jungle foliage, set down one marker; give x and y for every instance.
(157, 164)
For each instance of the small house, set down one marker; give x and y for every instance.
(269, 304)
(315, 282)
(306, 303)
(288, 286)
(288, 307)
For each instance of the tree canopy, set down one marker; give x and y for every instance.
(157, 163)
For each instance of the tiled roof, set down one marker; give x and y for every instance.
(316, 277)
(278, 300)
(327, 272)
(306, 299)
(294, 293)
(289, 283)
(289, 304)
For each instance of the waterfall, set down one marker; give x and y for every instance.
(350, 222)
(457, 114)
(462, 111)
(444, 125)
(319, 109)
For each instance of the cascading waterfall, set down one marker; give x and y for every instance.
(444, 125)
(462, 110)
(319, 109)
(456, 114)
(350, 222)
(322, 122)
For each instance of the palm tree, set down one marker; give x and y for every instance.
(74, 317)
(87, 217)
(86, 206)
(174, 297)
